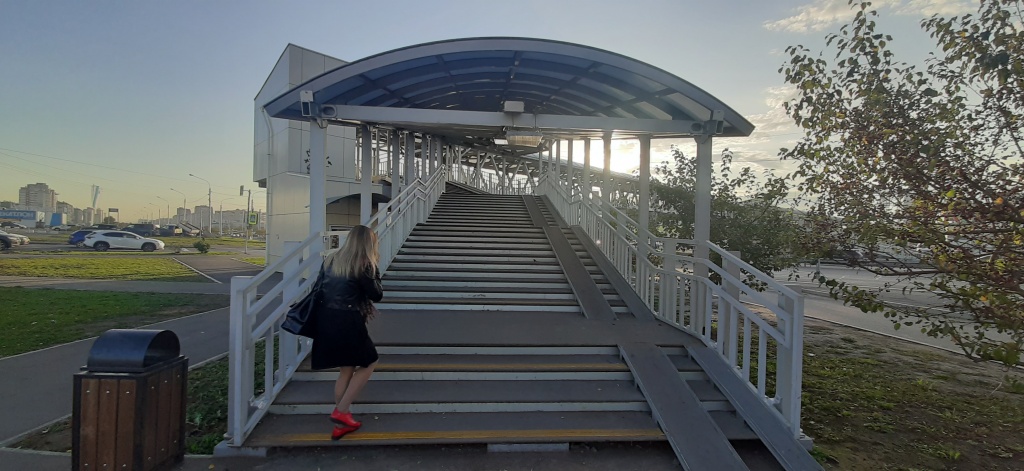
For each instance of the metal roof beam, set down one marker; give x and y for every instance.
(412, 116)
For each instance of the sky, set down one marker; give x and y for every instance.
(135, 96)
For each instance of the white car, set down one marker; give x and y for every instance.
(104, 240)
(20, 239)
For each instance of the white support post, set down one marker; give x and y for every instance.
(572, 170)
(726, 328)
(317, 185)
(588, 188)
(410, 159)
(558, 162)
(606, 172)
(396, 167)
(644, 202)
(432, 154)
(240, 364)
(788, 390)
(702, 219)
(366, 179)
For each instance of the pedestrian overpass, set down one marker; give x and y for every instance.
(522, 302)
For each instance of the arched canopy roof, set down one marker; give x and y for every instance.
(457, 88)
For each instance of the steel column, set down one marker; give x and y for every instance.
(588, 188)
(644, 199)
(572, 169)
(606, 182)
(396, 167)
(366, 179)
(317, 185)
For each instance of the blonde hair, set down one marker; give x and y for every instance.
(357, 255)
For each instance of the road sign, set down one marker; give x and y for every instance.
(254, 218)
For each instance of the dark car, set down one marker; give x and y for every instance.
(77, 238)
(144, 230)
(170, 230)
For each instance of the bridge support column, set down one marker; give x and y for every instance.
(644, 198)
(572, 170)
(317, 185)
(396, 167)
(702, 217)
(410, 159)
(606, 173)
(366, 177)
(588, 189)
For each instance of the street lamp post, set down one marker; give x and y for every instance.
(183, 208)
(168, 208)
(222, 215)
(209, 200)
(157, 213)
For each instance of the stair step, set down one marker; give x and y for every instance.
(489, 259)
(520, 277)
(381, 396)
(476, 286)
(488, 301)
(469, 267)
(427, 305)
(486, 427)
(476, 252)
(465, 296)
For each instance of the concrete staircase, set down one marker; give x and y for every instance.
(483, 341)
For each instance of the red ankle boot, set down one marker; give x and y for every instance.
(344, 418)
(339, 432)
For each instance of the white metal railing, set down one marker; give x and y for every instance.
(256, 319)
(662, 272)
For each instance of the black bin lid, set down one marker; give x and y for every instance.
(132, 350)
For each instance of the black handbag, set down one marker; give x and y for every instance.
(300, 319)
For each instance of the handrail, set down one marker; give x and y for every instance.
(711, 310)
(255, 318)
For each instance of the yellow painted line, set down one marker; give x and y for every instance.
(479, 435)
(502, 366)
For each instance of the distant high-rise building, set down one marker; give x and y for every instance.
(66, 208)
(37, 196)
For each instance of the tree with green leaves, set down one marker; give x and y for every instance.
(898, 155)
(745, 210)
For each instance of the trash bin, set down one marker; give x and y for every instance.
(129, 403)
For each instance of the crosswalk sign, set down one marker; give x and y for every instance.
(254, 218)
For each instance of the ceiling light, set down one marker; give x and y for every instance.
(524, 138)
(500, 141)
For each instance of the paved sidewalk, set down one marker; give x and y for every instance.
(37, 386)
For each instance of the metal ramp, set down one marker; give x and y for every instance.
(483, 340)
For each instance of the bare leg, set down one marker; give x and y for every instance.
(355, 385)
(344, 376)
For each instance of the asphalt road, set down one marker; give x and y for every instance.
(818, 305)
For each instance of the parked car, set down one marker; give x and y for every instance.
(12, 240)
(12, 225)
(77, 238)
(62, 227)
(170, 230)
(101, 241)
(144, 230)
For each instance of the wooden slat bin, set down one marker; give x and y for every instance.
(131, 418)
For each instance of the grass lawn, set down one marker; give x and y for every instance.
(39, 318)
(100, 268)
(875, 403)
(261, 261)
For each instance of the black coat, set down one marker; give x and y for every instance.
(341, 337)
(349, 293)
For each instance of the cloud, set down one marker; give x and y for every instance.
(822, 14)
